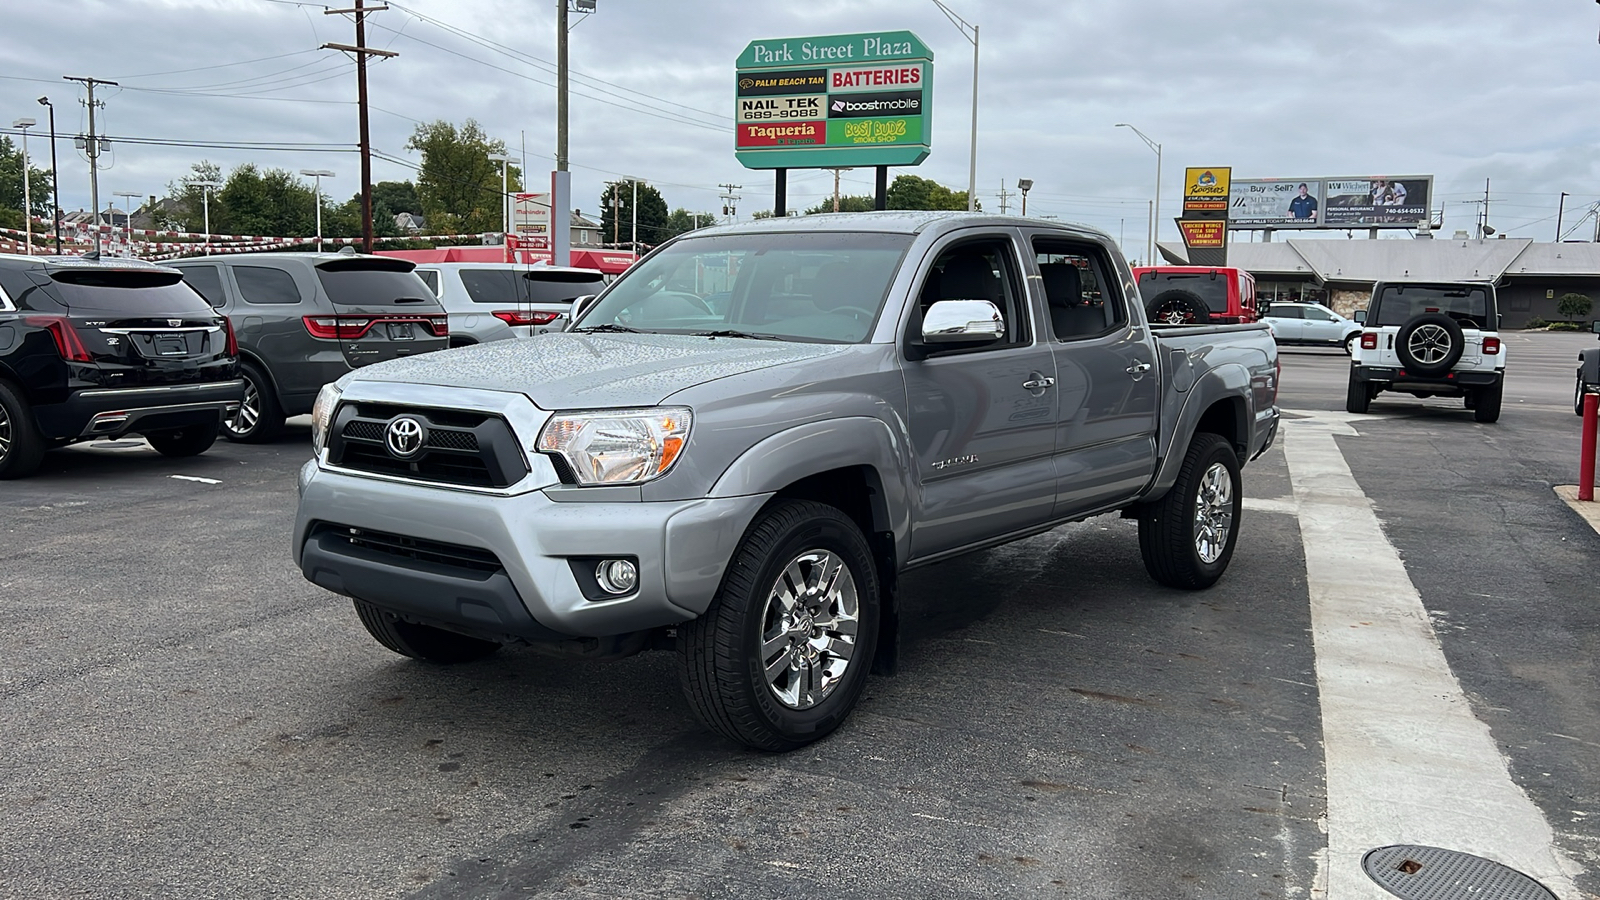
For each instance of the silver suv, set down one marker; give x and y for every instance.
(305, 319)
(494, 301)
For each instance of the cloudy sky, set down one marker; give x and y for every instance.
(1463, 90)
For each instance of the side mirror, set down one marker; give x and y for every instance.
(962, 321)
(580, 306)
(1360, 316)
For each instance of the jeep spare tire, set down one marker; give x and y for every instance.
(1429, 344)
(1178, 308)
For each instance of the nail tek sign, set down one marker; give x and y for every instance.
(840, 100)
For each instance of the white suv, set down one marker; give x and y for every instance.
(1431, 339)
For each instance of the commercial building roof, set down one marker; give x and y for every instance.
(1439, 259)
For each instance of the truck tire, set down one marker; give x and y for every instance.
(1487, 407)
(21, 446)
(260, 416)
(1429, 344)
(191, 440)
(1178, 308)
(780, 657)
(1358, 397)
(423, 642)
(1187, 536)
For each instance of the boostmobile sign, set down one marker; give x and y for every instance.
(840, 100)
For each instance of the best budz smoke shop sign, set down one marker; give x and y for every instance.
(840, 100)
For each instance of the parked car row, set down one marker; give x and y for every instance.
(95, 348)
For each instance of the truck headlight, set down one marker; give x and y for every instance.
(322, 415)
(621, 446)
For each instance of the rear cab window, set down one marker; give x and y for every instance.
(1470, 305)
(1082, 298)
(1210, 287)
(374, 282)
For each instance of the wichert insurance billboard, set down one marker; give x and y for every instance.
(838, 100)
(1400, 201)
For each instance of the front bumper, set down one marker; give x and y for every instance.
(112, 412)
(528, 589)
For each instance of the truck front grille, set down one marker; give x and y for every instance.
(459, 447)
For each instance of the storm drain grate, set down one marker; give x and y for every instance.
(1432, 873)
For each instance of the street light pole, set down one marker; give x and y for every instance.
(27, 196)
(205, 205)
(127, 214)
(1560, 208)
(505, 189)
(972, 153)
(318, 174)
(1155, 209)
(1024, 185)
(55, 177)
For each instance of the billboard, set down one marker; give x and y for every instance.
(837, 100)
(1400, 201)
(1206, 188)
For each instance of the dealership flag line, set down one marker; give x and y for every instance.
(1407, 762)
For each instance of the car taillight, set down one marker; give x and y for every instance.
(1491, 346)
(1369, 340)
(439, 326)
(334, 327)
(517, 317)
(68, 344)
(233, 339)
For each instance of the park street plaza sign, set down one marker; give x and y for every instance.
(834, 101)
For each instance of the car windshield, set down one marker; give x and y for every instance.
(821, 286)
(1400, 303)
(1210, 287)
(511, 285)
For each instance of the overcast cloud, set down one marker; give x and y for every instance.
(1460, 89)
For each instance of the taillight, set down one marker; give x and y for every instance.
(68, 344)
(1369, 340)
(331, 328)
(439, 326)
(233, 339)
(1491, 346)
(517, 317)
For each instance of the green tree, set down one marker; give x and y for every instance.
(683, 220)
(458, 185)
(272, 203)
(391, 198)
(617, 200)
(1573, 306)
(11, 193)
(849, 203)
(911, 192)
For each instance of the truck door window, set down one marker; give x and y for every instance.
(1083, 302)
(979, 270)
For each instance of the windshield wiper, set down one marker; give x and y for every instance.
(607, 327)
(728, 332)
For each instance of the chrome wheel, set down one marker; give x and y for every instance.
(244, 421)
(1213, 513)
(808, 632)
(1429, 344)
(5, 433)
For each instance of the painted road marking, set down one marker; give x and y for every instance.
(195, 478)
(1407, 762)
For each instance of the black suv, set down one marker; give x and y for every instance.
(99, 348)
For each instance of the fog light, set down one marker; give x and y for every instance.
(617, 576)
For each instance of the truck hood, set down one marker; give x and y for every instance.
(576, 371)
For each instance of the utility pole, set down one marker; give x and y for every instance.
(361, 51)
(730, 200)
(1004, 197)
(92, 146)
(1560, 208)
(561, 85)
(836, 173)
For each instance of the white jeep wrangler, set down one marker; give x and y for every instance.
(1431, 339)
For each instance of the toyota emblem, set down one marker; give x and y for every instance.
(404, 437)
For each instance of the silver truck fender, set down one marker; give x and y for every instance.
(1228, 382)
(811, 449)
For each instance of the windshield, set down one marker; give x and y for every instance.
(525, 286)
(1467, 304)
(1210, 287)
(825, 287)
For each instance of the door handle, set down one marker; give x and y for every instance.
(1038, 382)
(1138, 368)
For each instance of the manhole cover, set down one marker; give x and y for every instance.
(1432, 873)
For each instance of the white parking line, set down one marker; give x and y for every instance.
(1407, 762)
(195, 478)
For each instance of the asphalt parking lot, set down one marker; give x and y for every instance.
(186, 716)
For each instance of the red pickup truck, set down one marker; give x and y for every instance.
(1197, 295)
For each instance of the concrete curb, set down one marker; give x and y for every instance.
(1589, 510)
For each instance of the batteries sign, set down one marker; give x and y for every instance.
(838, 100)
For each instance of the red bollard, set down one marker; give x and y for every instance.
(1591, 423)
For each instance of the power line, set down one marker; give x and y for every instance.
(242, 62)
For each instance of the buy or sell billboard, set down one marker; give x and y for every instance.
(1349, 202)
(838, 100)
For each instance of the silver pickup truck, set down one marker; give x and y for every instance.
(741, 444)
